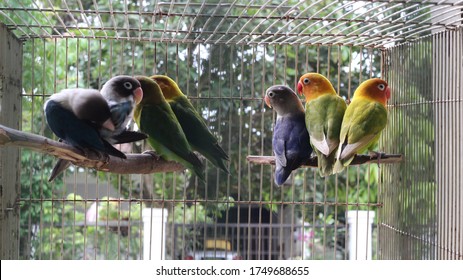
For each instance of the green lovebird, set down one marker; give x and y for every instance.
(195, 128)
(155, 117)
(365, 118)
(324, 111)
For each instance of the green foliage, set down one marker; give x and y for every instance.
(64, 232)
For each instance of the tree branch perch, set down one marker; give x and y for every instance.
(312, 162)
(134, 164)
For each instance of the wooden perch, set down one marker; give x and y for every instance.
(312, 162)
(134, 164)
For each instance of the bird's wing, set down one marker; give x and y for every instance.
(362, 125)
(323, 118)
(195, 128)
(159, 122)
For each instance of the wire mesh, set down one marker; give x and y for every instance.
(366, 23)
(224, 56)
(422, 198)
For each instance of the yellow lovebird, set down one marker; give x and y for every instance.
(365, 118)
(324, 111)
(195, 128)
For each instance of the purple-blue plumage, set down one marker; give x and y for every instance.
(290, 141)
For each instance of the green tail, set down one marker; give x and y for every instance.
(326, 163)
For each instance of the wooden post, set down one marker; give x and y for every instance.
(10, 115)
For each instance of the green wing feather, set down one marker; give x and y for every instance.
(197, 133)
(166, 136)
(361, 128)
(323, 119)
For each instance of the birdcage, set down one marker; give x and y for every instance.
(224, 55)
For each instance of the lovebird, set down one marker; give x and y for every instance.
(193, 125)
(75, 115)
(324, 111)
(365, 118)
(290, 140)
(122, 94)
(155, 117)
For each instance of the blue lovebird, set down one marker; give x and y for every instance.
(290, 141)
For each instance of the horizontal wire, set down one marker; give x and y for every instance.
(174, 200)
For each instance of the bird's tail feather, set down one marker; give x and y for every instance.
(128, 136)
(59, 167)
(326, 163)
(110, 150)
(281, 175)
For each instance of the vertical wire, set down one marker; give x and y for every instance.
(140, 177)
(393, 254)
(63, 203)
(271, 237)
(402, 123)
(219, 132)
(431, 226)
(358, 168)
(452, 146)
(417, 244)
(437, 104)
(383, 196)
(325, 190)
(261, 183)
(336, 201)
(42, 183)
(459, 79)
(121, 67)
(306, 242)
(240, 131)
(238, 249)
(379, 194)
(73, 247)
(29, 215)
(293, 205)
(129, 177)
(41, 180)
(368, 227)
(445, 185)
(349, 83)
(421, 194)
(216, 200)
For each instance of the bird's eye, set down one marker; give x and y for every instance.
(128, 85)
(381, 87)
(306, 81)
(271, 94)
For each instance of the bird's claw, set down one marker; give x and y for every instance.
(378, 155)
(152, 153)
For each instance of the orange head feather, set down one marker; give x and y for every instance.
(374, 89)
(312, 85)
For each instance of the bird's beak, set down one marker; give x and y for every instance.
(138, 95)
(108, 124)
(267, 101)
(299, 88)
(388, 93)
